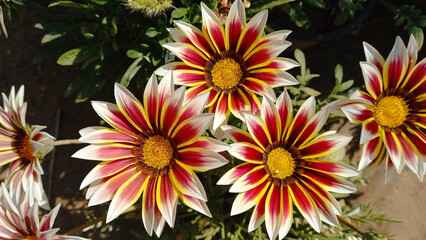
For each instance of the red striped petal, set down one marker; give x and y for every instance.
(330, 183)
(238, 102)
(396, 65)
(373, 56)
(210, 144)
(186, 181)
(258, 130)
(166, 199)
(200, 159)
(257, 216)
(265, 54)
(150, 100)
(273, 211)
(324, 144)
(196, 37)
(252, 32)
(213, 27)
(237, 135)
(306, 111)
(196, 204)
(269, 115)
(101, 135)
(234, 24)
(416, 77)
(372, 78)
(247, 152)
(285, 110)
(358, 112)
(188, 53)
(312, 128)
(370, 151)
(170, 111)
(394, 149)
(369, 130)
(221, 111)
(191, 129)
(274, 77)
(105, 152)
(246, 200)
(233, 174)
(330, 167)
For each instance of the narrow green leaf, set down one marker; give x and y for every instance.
(310, 91)
(131, 72)
(346, 85)
(300, 57)
(418, 35)
(89, 90)
(179, 13)
(133, 53)
(68, 4)
(338, 74)
(76, 55)
(268, 6)
(151, 32)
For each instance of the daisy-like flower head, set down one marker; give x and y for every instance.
(283, 165)
(393, 109)
(19, 220)
(22, 145)
(152, 151)
(233, 63)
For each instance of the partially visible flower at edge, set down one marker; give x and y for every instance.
(392, 111)
(233, 63)
(150, 8)
(22, 146)
(283, 165)
(152, 151)
(19, 219)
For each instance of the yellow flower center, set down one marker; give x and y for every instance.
(280, 163)
(391, 111)
(25, 148)
(157, 152)
(226, 73)
(31, 237)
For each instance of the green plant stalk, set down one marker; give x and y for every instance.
(66, 142)
(350, 225)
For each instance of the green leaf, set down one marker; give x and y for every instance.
(151, 32)
(48, 37)
(212, 4)
(418, 35)
(310, 91)
(68, 4)
(77, 55)
(89, 90)
(131, 72)
(315, 3)
(88, 36)
(179, 12)
(268, 6)
(56, 49)
(300, 18)
(338, 74)
(346, 85)
(100, 2)
(300, 57)
(79, 81)
(341, 18)
(133, 53)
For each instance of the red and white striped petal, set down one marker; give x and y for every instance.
(166, 199)
(233, 174)
(188, 77)
(306, 205)
(8, 156)
(258, 215)
(358, 112)
(370, 150)
(412, 52)
(131, 108)
(312, 128)
(285, 110)
(264, 54)
(389, 169)
(210, 144)
(362, 96)
(252, 32)
(221, 111)
(287, 211)
(247, 152)
(258, 130)
(369, 130)
(253, 99)
(178, 35)
(238, 103)
(213, 27)
(191, 129)
(150, 100)
(105, 169)
(104, 191)
(126, 195)
(282, 63)
(200, 159)
(280, 35)
(250, 180)
(237, 135)
(324, 144)
(113, 116)
(274, 77)
(409, 155)
(269, 115)
(330, 183)
(102, 135)
(331, 167)
(149, 206)
(246, 200)
(108, 152)
(332, 202)
(273, 211)
(171, 110)
(373, 56)
(165, 88)
(193, 107)
(394, 149)
(196, 204)
(306, 112)
(372, 78)
(192, 92)
(418, 138)
(185, 180)
(396, 65)
(188, 54)
(235, 23)
(196, 37)
(416, 77)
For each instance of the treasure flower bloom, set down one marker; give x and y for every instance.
(22, 146)
(393, 109)
(152, 151)
(19, 220)
(283, 165)
(233, 62)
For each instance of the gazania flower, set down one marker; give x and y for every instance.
(393, 110)
(233, 63)
(19, 220)
(283, 165)
(22, 146)
(152, 151)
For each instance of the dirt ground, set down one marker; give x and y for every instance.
(402, 198)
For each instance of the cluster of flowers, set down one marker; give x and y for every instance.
(154, 147)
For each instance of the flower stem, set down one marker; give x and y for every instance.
(66, 142)
(350, 225)
(95, 221)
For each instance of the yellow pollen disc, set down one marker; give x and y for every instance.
(280, 163)
(226, 73)
(157, 152)
(31, 238)
(25, 148)
(391, 111)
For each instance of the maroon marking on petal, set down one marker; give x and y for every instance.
(374, 82)
(416, 76)
(235, 29)
(258, 132)
(299, 123)
(322, 179)
(216, 36)
(272, 124)
(391, 144)
(251, 194)
(187, 78)
(241, 136)
(372, 127)
(237, 101)
(318, 147)
(301, 199)
(261, 56)
(241, 169)
(419, 140)
(270, 78)
(193, 57)
(248, 39)
(306, 133)
(255, 176)
(274, 205)
(195, 91)
(323, 166)
(394, 72)
(249, 152)
(255, 106)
